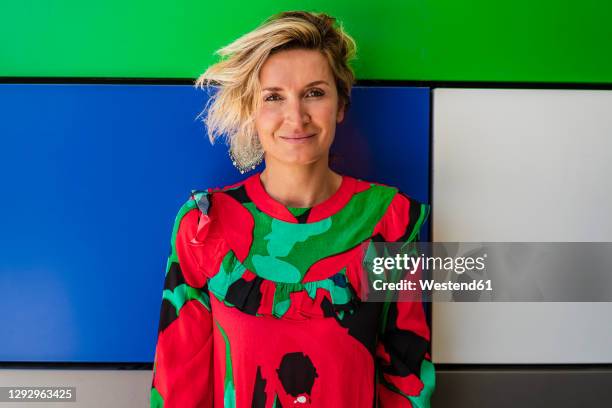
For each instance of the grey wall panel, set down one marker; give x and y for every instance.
(522, 333)
(94, 388)
(522, 165)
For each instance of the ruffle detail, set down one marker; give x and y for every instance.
(238, 287)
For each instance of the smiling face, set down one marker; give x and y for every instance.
(299, 110)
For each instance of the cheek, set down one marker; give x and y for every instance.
(267, 120)
(325, 113)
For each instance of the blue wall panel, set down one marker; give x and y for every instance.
(385, 138)
(92, 177)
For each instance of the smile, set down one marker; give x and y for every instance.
(300, 139)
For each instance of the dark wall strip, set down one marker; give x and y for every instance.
(363, 82)
(559, 387)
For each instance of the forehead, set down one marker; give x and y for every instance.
(294, 68)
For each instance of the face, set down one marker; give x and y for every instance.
(300, 108)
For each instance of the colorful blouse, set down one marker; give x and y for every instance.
(261, 304)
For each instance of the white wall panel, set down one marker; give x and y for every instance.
(522, 165)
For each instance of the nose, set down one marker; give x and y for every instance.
(296, 115)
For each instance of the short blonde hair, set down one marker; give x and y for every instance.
(230, 110)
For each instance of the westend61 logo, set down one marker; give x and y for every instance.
(397, 267)
(418, 271)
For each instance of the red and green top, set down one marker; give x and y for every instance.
(261, 304)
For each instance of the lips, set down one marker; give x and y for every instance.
(296, 139)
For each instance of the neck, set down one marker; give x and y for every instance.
(300, 186)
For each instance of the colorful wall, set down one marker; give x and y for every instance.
(497, 114)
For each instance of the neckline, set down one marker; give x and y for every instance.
(297, 211)
(268, 205)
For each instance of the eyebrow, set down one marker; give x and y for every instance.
(275, 88)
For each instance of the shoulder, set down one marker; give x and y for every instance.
(196, 209)
(397, 198)
(404, 216)
(200, 200)
(196, 204)
(207, 212)
(198, 237)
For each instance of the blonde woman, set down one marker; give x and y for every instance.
(261, 304)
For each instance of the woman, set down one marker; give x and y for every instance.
(261, 305)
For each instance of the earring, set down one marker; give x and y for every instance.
(244, 169)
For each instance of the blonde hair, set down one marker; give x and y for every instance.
(230, 110)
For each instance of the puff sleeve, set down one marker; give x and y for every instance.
(182, 368)
(405, 373)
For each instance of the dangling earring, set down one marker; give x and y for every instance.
(248, 167)
(256, 163)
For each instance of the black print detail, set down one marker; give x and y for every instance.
(239, 194)
(414, 213)
(297, 374)
(302, 218)
(259, 391)
(362, 324)
(167, 315)
(245, 295)
(378, 238)
(328, 308)
(406, 349)
(174, 277)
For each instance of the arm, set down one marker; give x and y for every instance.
(406, 374)
(182, 369)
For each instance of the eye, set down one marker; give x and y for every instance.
(316, 92)
(272, 97)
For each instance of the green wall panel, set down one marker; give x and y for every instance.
(472, 40)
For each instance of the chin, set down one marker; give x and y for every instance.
(291, 158)
(305, 160)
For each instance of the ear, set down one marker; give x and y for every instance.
(340, 114)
